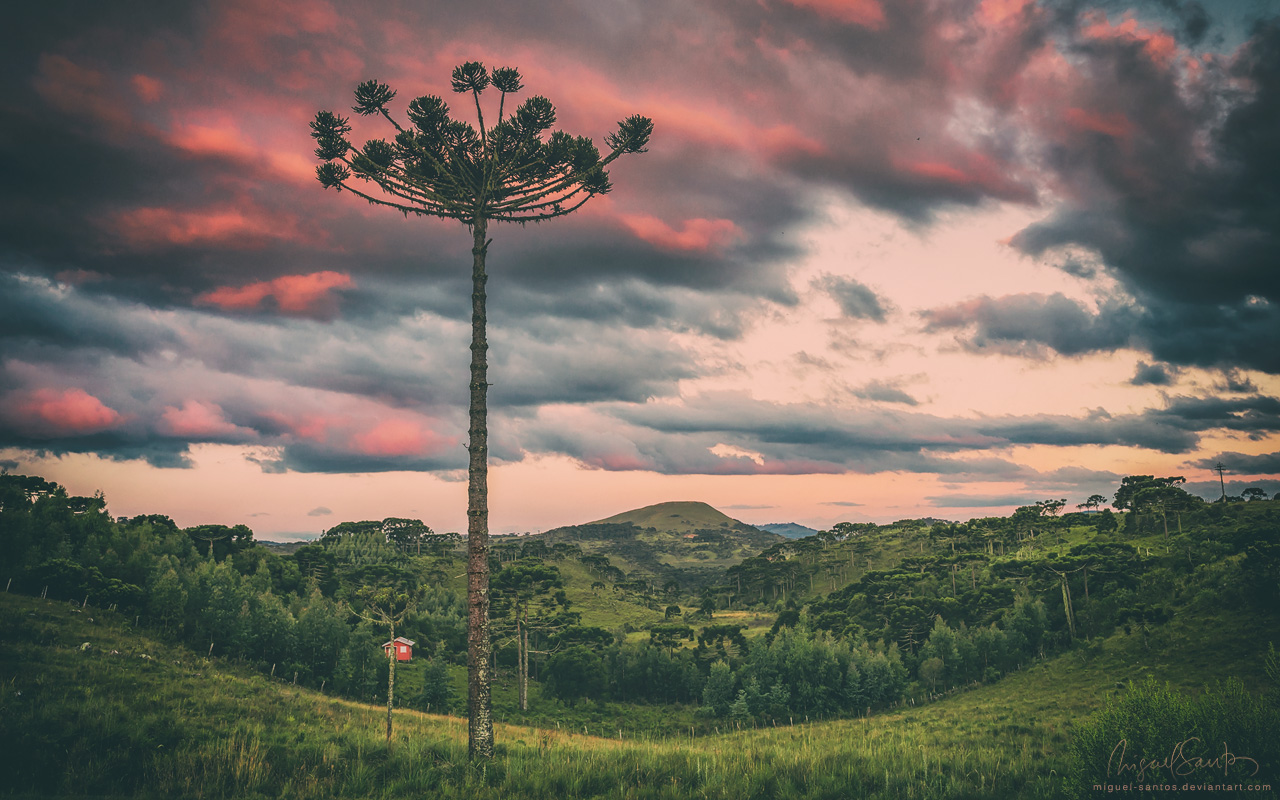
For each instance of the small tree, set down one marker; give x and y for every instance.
(514, 589)
(931, 672)
(1094, 501)
(513, 171)
(575, 673)
(386, 606)
(717, 693)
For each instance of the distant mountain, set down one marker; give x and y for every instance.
(791, 530)
(690, 542)
(676, 517)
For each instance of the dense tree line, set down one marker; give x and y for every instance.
(971, 601)
(795, 673)
(213, 588)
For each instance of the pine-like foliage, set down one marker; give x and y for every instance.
(516, 170)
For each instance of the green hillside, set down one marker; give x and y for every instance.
(133, 716)
(683, 545)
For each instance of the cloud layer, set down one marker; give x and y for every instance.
(173, 275)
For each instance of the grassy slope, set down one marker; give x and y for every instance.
(602, 608)
(177, 724)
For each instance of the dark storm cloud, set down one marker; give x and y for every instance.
(1149, 430)
(630, 303)
(1219, 336)
(670, 438)
(1024, 324)
(1180, 334)
(164, 454)
(307, 457)
(1267, 463)
(35, 310)
(554, 362)
(1151, 375)
(1236, 383)
(1257, 414)
(1177, 191)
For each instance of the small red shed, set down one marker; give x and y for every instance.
(403, 648)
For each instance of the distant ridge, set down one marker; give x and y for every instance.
(688, 542)
(682, 517)
(791, 530)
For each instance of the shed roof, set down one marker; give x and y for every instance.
(402, 640)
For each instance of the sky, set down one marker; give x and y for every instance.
(882, 260)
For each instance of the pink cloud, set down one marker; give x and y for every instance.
(700, 235)
(149, 228)
(197, 419)
(314, 427)
(1158, 45)
(396, 437)
(202, 134)
(220, 140)
(976, 170)
(935, 170)
(301, 44)
(867, 13)
(618, 462)
(148, 89)
(293, 294)
(70, 411)
(1115, 125)
(997, 12)
(704, 122)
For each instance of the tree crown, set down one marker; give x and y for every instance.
(516, 170)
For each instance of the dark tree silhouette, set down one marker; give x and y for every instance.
(1094, 501)
(514, 171)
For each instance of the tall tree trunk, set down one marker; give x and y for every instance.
(391, 684)
(1066, 606)
(524, 662)
(480, 705)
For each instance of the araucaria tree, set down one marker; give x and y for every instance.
(517, 170)
(386, 606)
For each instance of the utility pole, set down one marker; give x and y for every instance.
(1221, 468)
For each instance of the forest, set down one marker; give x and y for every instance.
(859, 618)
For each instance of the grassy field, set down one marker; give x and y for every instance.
(131, 716)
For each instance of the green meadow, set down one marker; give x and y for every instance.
(131, 715)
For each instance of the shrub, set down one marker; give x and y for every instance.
(1156, 735)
